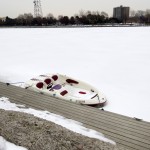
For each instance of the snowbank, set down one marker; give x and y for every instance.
(5, 145)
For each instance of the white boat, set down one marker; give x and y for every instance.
(64, 87)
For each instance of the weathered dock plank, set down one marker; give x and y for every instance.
(95, 110)
(126, 131)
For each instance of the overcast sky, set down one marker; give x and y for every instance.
(13, 8)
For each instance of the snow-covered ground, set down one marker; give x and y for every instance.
(115, 60)
(60, 120)
(5, 145)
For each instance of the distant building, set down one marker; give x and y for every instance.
(121, 13)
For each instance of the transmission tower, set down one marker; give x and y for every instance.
(37, 8)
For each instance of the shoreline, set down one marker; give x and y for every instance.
(76, 26)
(38, 134)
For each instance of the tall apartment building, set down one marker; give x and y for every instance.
(121, 13)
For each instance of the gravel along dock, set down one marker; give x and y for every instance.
(37, 134)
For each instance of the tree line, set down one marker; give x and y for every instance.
(84, 18)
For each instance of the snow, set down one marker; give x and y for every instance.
(5, 145)
(60, 120)
(115, 60)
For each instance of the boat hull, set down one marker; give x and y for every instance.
(67, 88)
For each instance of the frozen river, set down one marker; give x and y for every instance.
(115, 60)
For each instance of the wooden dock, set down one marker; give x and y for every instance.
(125, 131)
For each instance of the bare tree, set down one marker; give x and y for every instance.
(29, 18)
(140, 13)
(1, 22)
(147, 11)
(132, 13)
(20, 19)
(148, 15)
(87, 13)
(104, 14)
(81, 13)
(51, 19)
(50, 15)
(25, 19)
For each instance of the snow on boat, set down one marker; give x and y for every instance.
(64, 87)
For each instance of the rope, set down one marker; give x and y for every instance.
(13, 83)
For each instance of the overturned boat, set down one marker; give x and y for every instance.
(64, 87)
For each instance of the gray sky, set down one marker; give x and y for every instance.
(13, 8)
